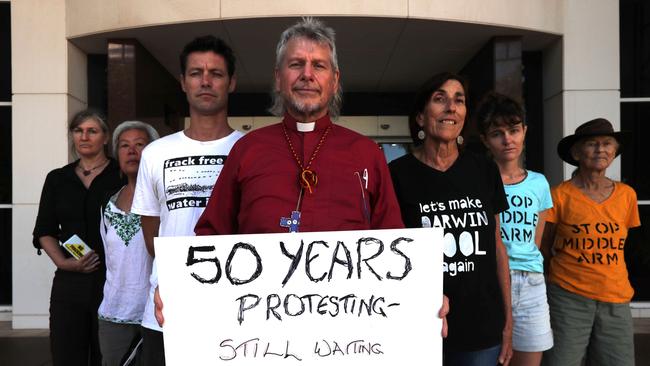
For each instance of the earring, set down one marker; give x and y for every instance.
(421, 135)
(460, 140)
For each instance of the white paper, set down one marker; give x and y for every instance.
(76, 247)
(205, 326)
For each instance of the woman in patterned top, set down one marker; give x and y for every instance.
(128, 264)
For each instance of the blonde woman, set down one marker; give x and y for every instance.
(69, 205)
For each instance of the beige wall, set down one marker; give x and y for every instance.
(582, 74)
(97, 16)
(47, 88)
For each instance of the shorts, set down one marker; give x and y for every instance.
(602, 331)
(531, 331)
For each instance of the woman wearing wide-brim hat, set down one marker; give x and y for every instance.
(584, 238)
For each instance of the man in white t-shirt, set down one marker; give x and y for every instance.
(177, 172)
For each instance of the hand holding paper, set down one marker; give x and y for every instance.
(159, 306)
(444, 310)
(88, 263)
(76, 247)
(84, 259)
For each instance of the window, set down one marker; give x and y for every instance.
(635, 48)
(5, 53)
(394, 150)
(635, 117)
(5, 154)
(634, 22)
(5, 256)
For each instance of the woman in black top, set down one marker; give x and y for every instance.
(70, 204)
(440, 185)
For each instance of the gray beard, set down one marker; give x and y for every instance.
(303, 108)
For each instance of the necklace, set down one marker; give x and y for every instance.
(307, 178)
(515, 178)
(86, 172)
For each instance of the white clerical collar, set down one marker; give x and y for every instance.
(305, 126)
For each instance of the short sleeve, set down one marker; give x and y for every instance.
(499, 201)
(553, 212)
(47, 223)
(145, 198)
(545, 199)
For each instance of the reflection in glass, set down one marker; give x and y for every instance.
(393, 151)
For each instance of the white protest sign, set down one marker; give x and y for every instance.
(344, 298)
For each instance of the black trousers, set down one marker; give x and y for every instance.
(74, 340)
(153, 348)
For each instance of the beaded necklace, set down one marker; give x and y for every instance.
(307, 179)
(86, 172)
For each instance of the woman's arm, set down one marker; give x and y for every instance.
(548, 238)
(86, 264)
(539, 230)
(150, 229)
(503, 276)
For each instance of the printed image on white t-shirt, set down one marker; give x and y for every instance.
(189, 180)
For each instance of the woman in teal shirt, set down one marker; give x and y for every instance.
(503, 130)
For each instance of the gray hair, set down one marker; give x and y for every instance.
(133, 125)
(86, 114)
(81, 117)
(313, 30)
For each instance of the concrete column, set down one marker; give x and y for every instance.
(49, 85)
(582, 75)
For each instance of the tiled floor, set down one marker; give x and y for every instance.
(7, 332)
(31, 347)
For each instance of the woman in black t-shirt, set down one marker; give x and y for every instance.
(440, 185)
(70, 205)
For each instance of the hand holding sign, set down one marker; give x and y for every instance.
(444, 310)
(158, 312)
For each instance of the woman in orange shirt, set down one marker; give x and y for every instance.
(584, 239)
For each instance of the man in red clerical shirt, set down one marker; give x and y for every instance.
(304, 173)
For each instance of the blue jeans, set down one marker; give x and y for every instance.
(484, 357)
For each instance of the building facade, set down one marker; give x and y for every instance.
(568, 60)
